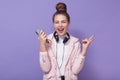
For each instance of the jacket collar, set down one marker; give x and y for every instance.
(70, 43)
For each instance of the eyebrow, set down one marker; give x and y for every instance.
(61, 20)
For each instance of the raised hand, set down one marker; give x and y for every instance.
(42, 39)
(86, 42)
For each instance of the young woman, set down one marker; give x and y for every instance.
(61, 56)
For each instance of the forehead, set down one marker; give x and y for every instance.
(60, 17)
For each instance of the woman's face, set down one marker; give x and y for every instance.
(61, 24)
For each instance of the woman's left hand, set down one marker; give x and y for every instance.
(86, 42)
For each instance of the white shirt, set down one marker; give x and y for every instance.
(61, 54)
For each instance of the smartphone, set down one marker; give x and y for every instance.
(37, 32)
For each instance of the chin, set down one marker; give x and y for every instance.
(61, 34)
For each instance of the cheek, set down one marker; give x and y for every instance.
(66, 26)
(55, 25)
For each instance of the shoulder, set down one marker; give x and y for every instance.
(74, 40)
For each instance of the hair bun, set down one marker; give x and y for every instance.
(61, 7)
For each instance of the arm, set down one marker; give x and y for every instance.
(45, 62)
(78, 61)
(80, 55)
(44, 57)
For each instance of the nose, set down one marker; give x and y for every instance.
(60, 24)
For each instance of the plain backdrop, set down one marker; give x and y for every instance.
(19, 45)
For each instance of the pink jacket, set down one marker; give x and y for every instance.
(74, 62)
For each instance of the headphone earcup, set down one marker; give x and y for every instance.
(56, 36)
(65, 40)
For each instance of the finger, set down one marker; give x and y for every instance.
(44, 36)
(91, 38)
(42, 33)
(84, 42)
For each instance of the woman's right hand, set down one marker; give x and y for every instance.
(42, 39)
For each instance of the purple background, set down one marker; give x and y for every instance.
(19, 46)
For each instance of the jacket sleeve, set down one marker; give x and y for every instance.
(78, 60)
(45, 62)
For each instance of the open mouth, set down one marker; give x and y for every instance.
(61, 30)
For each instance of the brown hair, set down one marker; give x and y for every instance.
(61, 9)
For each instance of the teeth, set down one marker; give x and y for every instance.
(60, 29)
